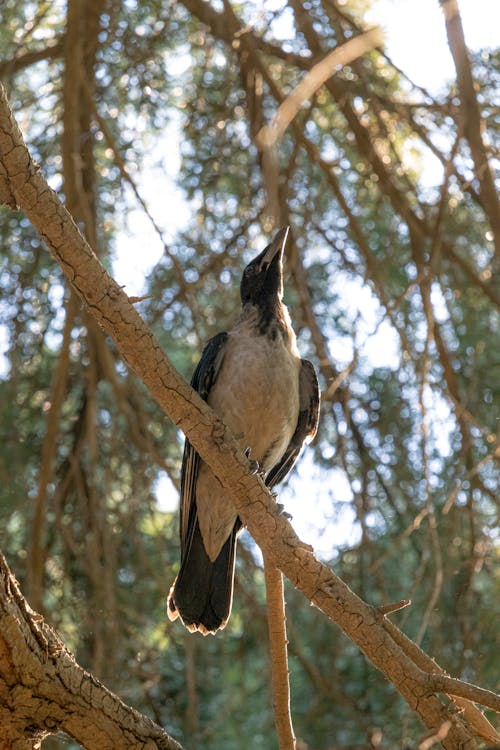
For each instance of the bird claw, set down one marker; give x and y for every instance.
(254, 465)
(282, 511)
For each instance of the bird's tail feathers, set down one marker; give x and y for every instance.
(202, 593)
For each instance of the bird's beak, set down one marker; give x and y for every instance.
(276, 247)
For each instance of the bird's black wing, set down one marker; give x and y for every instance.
(307, 423)
(202, 381)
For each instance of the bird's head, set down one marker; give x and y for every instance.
(262, 281)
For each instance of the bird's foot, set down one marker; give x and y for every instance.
(281, 510)
(254, 465)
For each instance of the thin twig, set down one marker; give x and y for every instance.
(276, 621)
(386, 609)
(452, 686)
(435, 737)
(471, 114)
(48, 458)
(271, 134)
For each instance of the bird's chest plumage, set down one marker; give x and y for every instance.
(257, 393)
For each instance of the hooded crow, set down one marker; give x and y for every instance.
(255, 380)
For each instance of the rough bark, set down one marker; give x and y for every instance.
(43, 689)
(276, 621)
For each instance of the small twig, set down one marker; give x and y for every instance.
(452, 686)
(386, 609)
(473, 471)
(276, 621)
(397, 541)
(135, 300)
(312, 81)
(424, 387)
(337, 382)
(435, 737)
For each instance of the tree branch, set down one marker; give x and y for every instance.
(474, 716)
(35, 567)
(471, 114)
(276, 620)
(452, 686)
(50, 52)
(43, 689)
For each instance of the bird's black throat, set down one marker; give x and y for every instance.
(262, 288)
(269, 319)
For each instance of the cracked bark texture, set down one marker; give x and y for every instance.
(110, 306)
(43, 689)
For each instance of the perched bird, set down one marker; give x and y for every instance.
(254, 379)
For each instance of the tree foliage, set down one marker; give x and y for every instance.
(393, 288)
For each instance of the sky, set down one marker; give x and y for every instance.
(415, 35)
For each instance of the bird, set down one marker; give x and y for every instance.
(255, 380)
